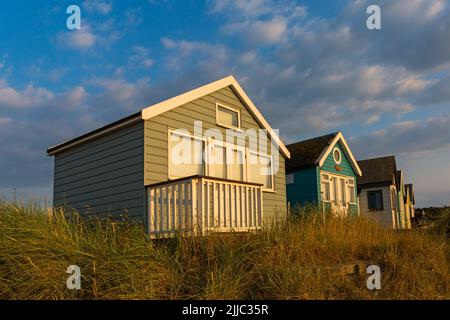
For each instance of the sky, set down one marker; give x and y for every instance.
(312, 67)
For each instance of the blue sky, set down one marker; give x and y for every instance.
(312, 67)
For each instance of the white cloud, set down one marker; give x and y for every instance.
(182, 53)
(120, 93)
(244, 7)
(118, 88)
(28, 97)
(186, 47)
(406, 137)
(133, 17)
(262, 32)
(141, 57)
(76, 96)
(98, 6)
(411, 85)
(82, 39)
(259, 21)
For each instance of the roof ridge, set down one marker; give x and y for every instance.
(314, 138)
(382, 157)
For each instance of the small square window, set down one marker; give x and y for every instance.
(228, 117)
(290, 178)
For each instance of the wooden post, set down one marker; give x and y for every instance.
(194, 207)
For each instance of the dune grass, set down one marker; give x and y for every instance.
(295, 259)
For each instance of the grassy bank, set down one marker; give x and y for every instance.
(294, 260)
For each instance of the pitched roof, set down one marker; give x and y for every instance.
(169, 104)
(95, 133)
(313, 152)
(306, 153)
(377, 171)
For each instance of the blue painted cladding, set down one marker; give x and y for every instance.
(345, 169)
(304, 188)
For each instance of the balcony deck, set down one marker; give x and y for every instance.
(200, 205)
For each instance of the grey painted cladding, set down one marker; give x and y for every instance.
(104, 176)
(108, 174)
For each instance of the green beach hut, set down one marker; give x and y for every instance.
(322, 171)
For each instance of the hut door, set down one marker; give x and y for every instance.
(338, 197)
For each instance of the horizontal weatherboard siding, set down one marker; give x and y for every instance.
(304, 189)
(204, 109)
(104, 176)
(345, 166)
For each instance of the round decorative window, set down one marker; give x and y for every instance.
(337, 156)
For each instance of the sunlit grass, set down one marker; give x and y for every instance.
(295, 259)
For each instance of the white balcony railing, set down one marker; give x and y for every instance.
(203, 205)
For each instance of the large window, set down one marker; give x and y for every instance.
(185, 155)
(228, 117)
(338, 189)
(260, 169)
(326, 196)
(227, 161)
(375, 200)
(191, 155)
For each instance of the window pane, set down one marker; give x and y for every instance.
(337, 155)
(236, 165)
(186, 156)
(227, 117)
(351, 192)
(218, 160)
(335, 189)
(260, 170)
(326, 190)
(375, 200)
(343, 192)
(290, 178)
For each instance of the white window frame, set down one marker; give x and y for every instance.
(229, 146)
(272, 189)
(340, 155)
(205, 153)
(347, 192)
(238, 112)
(208, 143)
(329, 184)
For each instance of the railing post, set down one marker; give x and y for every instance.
(200, 207)
(194, 205)
(187, 205)
(207, 209)
(150, 213)
(261, 208)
